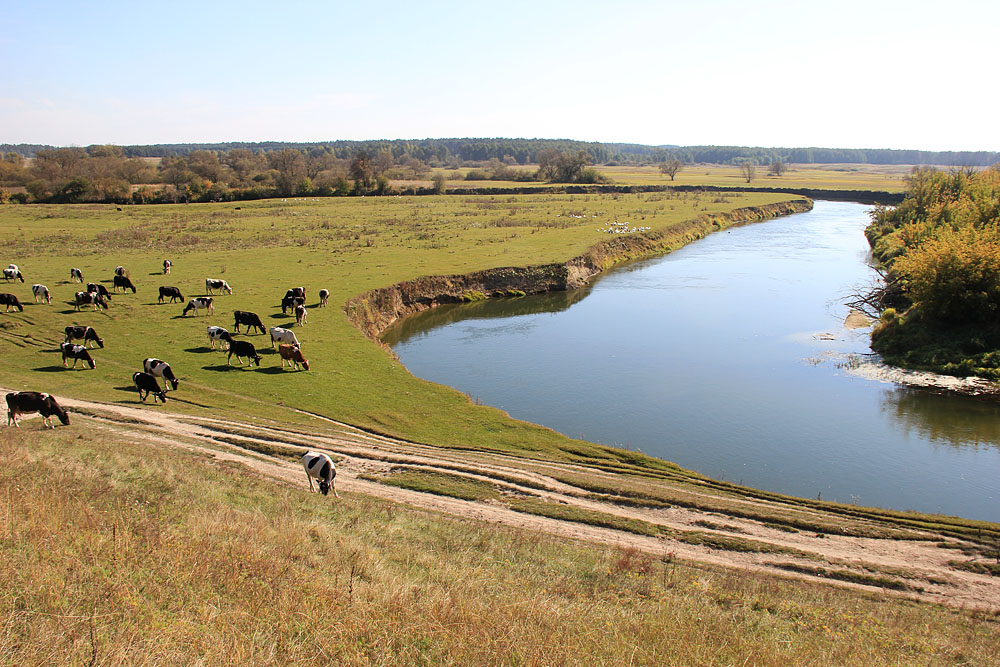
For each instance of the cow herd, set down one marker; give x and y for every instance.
(80, 340)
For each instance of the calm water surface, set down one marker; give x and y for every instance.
(718, 357)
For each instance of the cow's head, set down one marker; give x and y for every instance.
(324, 488)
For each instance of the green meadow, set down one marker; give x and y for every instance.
(345, 245)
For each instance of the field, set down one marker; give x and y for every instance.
(884, 178)
(190, 536)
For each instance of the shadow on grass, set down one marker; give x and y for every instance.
(279, 316)
(202, 350)
(270, 370)
(51, 369)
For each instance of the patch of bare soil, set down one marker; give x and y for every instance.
(916, 568)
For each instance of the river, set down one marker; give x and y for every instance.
(729, 357)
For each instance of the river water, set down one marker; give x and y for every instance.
(729, 357)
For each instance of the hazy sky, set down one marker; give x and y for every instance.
(840, 74)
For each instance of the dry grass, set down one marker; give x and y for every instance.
(131, 554)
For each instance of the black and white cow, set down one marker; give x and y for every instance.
(10, 301)
(161, 369)
(243, 348)
(220, 335)
(212, 284)
(12, 274)
(88, 334)
(320, 466)
(125, 283)
(291, 303)
(76, 353)
(171, 293)
(41, 292)
(166, 266)
(324, 296)
(280, 335)
(249, 320)
(301, 314)
(99, 289)
(90, 298)
(120, 271)
(75, 276)
(24, 402)
(296, 291)
(147, 384)
(199, 303)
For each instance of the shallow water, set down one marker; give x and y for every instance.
(728, 357)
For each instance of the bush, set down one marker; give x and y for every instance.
(956, 276)
(476, 175)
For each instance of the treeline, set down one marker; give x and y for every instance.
(454, 152)
(108, 174)
(941, 253)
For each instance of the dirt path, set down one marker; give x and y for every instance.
(919, 566)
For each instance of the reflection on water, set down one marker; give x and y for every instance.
(422, 323)
(958, 421)
(727, 357)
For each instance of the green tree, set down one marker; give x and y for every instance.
(361, 173)
(777, 168)
(290, 166)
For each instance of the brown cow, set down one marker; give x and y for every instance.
(293, 355)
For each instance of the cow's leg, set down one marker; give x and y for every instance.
(309, 477)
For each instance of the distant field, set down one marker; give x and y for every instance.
(886, 178)
(346, 245)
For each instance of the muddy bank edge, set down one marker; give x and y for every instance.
(374, 311)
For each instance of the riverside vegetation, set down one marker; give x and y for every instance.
(175, 545)
(941, 251)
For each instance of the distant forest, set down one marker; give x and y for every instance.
(238, 171)
(445, 152)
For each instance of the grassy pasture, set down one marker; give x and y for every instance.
(345, 245)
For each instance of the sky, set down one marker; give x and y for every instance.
(847, 74)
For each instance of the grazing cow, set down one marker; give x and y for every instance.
(120, 271)
(161, 369)
(171, 293)
(199, 303)
(12, 274)
(10, 301)
(147, 384)
(100, 289)
(290, 303)
(296, 291)
(283, 336)
(301, 314)
(41, 292)
(220, 335)
(243, 348)
(76, 353)
(13, 266)
(293, 356)
(125, 283)
(212, 284)
(75, 275)
(23, 402)
(324, 296)
(88, 298)
(249, 320)
(166, 266)
(88, 334)
(320, 466)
